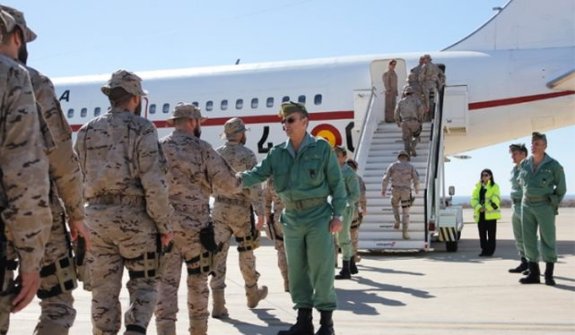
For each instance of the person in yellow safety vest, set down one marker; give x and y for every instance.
(486, 203)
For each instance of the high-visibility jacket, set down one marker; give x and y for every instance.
(492, 202)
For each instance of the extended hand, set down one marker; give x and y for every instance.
(166, 238)
(260, 223)
(29, 283)
(335, 225)
(77, 228)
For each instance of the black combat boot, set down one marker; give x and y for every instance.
(549, 274)
(326, 324)
(352, 267)
(344, 273)
(522, 267)
(533, 276)
(303, 326)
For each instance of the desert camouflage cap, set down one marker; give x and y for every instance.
(127, 80)
(18, 16)
(7, 21)
(234, 126)
(291, 107)
(407, 89)
(538, 136)
(402, 153)
(185, 110)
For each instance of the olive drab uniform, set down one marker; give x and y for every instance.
(194, 169)
(401, 175)
(274, 207)
(390, 86)
(343, 237)
(304, 180)
(408, 115)
(233, 215)
(543, 189)
(127, 208)
(361, 207)
(58, 275)
(24, 204)
(516, 196)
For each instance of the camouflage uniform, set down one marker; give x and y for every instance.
(127, 206)
(413, 82)
(431, 79)
(358, 217)
(408, 115)
(402, 175)
(390, 84)
(58, 276)
(233, 215)
(273, 207)
(24, 209)
(194, 169)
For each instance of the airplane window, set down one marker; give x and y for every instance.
(97, 111)
(254, 103)
(239, 103)
(83, 112)
(224, 105)
(270, 102)
(166, 108)
(301, 99)
(70, 112)
(153, 109)
(317, 99)
(195, 103)
(209, 105)
(285, 99)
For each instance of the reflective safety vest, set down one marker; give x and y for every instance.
(492, 202)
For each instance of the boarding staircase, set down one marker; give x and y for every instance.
(379, 145)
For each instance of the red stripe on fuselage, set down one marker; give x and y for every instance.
(517, 100)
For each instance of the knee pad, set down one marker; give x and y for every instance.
(65, 272)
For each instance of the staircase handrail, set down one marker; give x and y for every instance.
(369, 121)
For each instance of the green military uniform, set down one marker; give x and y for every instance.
(303, 180)
(352, 189)
(516, 196)
(543, 189)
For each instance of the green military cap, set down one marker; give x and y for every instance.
(127, 80)
(340, 150)
(291, 107)
(18, 16)
(518, 147)
(538, 136)
(185, 110)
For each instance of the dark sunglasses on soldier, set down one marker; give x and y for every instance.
(289, 120)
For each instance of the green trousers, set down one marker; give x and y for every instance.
(344, 236)
(310, 257)
(518, 229)
(539, 215)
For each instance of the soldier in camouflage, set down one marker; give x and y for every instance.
(24, 205)
(431, 79)
(58, 276)
(194, 170)
(361, 207)
(233, 215)
(408, 116)
(273, 207)
(402, 175)
(127, 210)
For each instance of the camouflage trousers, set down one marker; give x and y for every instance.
(280, 248)
(408, 129)
(401, 197)
(58, 313)
(226, 224)
(355, 224)
(187, 246)
(122, 236)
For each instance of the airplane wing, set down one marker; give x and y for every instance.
(564, 82)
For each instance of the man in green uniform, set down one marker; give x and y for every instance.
(543, 182)
(518, 154)
(344, 236)
(305, 172)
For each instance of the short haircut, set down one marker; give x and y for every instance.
(118, 96)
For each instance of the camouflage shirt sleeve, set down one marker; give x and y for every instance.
(220, 174)
(152, 172)
(268, 198)
(386, 177)
(64, 166)
(24, 168)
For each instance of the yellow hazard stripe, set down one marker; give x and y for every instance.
(448, 234)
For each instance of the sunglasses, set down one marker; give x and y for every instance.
(289, 120)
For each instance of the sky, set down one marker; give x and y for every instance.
(95, 37)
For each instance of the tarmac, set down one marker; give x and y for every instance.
(434, 292)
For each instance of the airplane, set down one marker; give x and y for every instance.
(513, 75)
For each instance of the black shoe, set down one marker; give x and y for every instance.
(522, 266)
(303, 326)
(326, 324)
(352, 266)
(533, 276)
(344, 273)
(549, 274)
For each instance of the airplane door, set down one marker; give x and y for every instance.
(455, 109)
(377, 69)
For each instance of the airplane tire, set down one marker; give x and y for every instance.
(451, 246)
